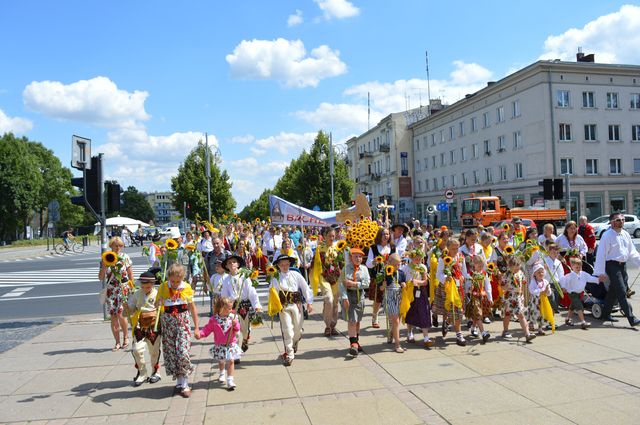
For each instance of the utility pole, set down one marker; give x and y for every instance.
(331, 170)
(567, 196)
(208, 173)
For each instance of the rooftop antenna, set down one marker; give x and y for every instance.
(426, 57)
(368, 110)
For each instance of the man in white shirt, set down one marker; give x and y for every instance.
(614, 251)
(398, 238)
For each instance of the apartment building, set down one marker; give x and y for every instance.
(162, 204)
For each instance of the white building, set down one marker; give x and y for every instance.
(545, 120)
(162, 204)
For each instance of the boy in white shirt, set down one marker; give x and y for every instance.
(215, 284)
(553, 272)
(574, 283)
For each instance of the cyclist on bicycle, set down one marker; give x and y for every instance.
(67, 236)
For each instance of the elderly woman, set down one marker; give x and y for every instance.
(118, 277)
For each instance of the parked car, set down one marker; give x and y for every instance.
(631, 225)
(525, 221)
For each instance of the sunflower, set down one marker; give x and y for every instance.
(190, 247)
(509, 250)
(271, 269)
(491, 267)
(536, 248)
(235, 216)
(171, 244)
(257, 220)
(445, 251)
(529, 242)
(109, 258)
(389, 270)
(341, 245)
(379, 259)
(447, 260)
(313, 238)
(361, 216)
(505, 226)
(254, 275)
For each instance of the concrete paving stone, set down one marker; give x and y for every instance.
(57, 422)
(253, 365)
(277, 385)
(577, 351)
(369, 410)
(385, 354)
(323, 359)
(619, 410)
(11, 381)
(71, 331)
(331, 381)
(277, 415)
(555, 386)
(497, 362)
(470, 397)
(626, 341)
(75, 360)
(624, 370)
(65, 380)
(53, 348)
(26, 363)
(437, 369)
(537, 415)
(34, 407)
(79, 421)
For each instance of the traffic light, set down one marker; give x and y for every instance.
(558, 186)
(91, 183)
(113, 197)
(547, 188)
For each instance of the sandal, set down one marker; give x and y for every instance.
(116, 347)
(327, 331)
(376, 325)
(126, 344)
(399, 350)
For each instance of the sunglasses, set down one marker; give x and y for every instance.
(618, 220)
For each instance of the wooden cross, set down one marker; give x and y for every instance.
(384, 206)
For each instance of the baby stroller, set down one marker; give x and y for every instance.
(593, 298)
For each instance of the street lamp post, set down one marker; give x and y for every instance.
(207, 168)
(333, 207)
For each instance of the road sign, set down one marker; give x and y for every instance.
(442, 206)
(80, 152)
(316, 208)
(450, 201)
(449, 193)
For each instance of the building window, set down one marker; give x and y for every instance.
(418, 165)
(452, 133)
(419, 185)
(444, 182)
(519, 173)
(387, 161)
(488, 176)
(461, 128)
(453, 180)
(487, 147)
(565, 132)
(614, 133)
(615, 166)
(500, 114)
(502, 144)
(465, 180)
(433, 162)
(591, 167)
(476, 177)
(426, 163)
(503, 172)
(612, 100)
(517, 139)
(435, 184)
(452, 156)
(441, 136)
(515, 108)
(486, 120)
(562, 98)
(442, 159)
(588, 99)
(426, 185)
(636, 165)
(433, 140)
(474, 124)
(475, 150)
(566, 165)
(635, 132)
(590, 132)
(635, 100)
(463, 153)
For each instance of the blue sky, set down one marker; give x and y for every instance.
(146, 79)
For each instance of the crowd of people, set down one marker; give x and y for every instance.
(425, 280)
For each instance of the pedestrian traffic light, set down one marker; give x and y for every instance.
(547, 188)
(89, 186)
(558, 186)
(113, 197)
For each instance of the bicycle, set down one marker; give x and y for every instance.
(60, 248)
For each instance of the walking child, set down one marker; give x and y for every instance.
(451, 274)
(353, 285)
(538, 285)
(419, 314)
(574, 283)
(392, 285)
(479, 302)
(215, 285)
(224, 325)
(513, 286)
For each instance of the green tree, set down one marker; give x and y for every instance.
(135, 205)
(258, 208)
(190, 185)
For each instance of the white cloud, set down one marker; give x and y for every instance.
(257, 151)
(289, 144)
(14, 125)
(295, 19)
(469, 73)
(96, 101)
(136, 143)
(332, 116)
(249, 165)
(613, 38)
(243, 140)
(338, 9)
(285, 61)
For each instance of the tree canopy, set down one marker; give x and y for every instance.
(135, 205)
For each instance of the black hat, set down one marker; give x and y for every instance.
(240, 260)
(292, 260)
(156, 237)
(405, 228)
(147, 277)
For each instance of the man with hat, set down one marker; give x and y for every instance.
(291, 287)
(143, 319)
(398, 237)
(241, 290)
(353, 286)
(520, 231)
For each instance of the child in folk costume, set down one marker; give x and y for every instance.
(553, 271)
(451, 274)
(513, 286)
(574, 283)
(245, 296)
(434, 255)
(392, 286)
(538, 285)
(479, 302)
(377, 258)
(354, 283)
(143, 318)
(224, 325)
(176, 296)
(288, 285)
(419, 314)
(327, 268)
(215, 284)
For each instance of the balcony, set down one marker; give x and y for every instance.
(375, 176)
(365, 154)
(348, 162)
(385, 147)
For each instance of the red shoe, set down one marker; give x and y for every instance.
(376, 325)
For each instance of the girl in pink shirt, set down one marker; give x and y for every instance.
(224, 325)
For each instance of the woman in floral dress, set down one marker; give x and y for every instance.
(118, 277)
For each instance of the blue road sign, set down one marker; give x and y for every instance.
(316, 208)
(442, 206)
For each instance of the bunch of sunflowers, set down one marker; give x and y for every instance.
(361, 234)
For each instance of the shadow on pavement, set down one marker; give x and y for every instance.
(16, 325)
(78, 350)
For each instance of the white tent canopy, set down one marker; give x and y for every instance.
(130, 223)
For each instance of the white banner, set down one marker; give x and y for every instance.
(285, 212)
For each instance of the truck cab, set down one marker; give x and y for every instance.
(480, 210)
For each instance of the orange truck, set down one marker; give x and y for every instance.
(485, 210)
